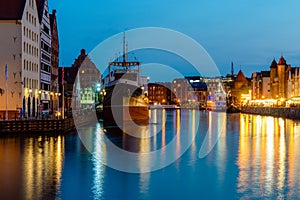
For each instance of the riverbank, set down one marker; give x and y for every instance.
(290, 113)
(37, 126)
(44, 126)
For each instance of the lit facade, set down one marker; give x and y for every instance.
(45, 54)
(180, 88)
(198, 90)
(260, 85)
(241, 87)
(80, 79)
(20, 51)
(284, 80)
(160, 93)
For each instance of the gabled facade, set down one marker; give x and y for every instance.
(85, 73)
(20, 51)
(260, 84)
(241, 86)
(45, 58)
(54, 62)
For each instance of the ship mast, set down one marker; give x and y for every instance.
(124, 48)
(125, 63)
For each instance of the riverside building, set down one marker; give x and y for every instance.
(20, 51)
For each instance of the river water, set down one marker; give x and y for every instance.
(243, 157)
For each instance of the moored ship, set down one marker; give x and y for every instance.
(122, 97)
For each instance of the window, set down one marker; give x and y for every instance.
(46, 30)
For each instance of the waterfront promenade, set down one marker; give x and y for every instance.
(36, 126)
(48, 125)
(284, 112)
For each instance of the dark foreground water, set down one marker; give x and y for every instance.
(255, 157)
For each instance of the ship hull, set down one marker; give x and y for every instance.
(120, 115)
(121, 106)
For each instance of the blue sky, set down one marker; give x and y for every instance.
(248, 33)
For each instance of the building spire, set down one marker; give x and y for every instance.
(232, 70)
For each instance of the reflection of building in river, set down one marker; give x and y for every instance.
(267, 159)
(31, 168)
(10, 171)
(42, 167)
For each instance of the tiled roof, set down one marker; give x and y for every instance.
(40, 7)
(12, 9)
(282, 61)
(274, 64)
(241, 77)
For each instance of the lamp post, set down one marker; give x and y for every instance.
(29, 104)
(97, 92)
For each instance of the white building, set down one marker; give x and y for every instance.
(215, 89)
(45, 59)
(19, 50)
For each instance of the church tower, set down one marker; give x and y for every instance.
(281, 70)
(273, 80)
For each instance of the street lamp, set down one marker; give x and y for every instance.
(29, 103)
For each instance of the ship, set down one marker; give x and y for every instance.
(122, 97)
(217, 102)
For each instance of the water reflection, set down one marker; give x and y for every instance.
(267, 157)
(33, 165)
(255, 157)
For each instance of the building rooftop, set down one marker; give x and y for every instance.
(282, 61)
(40, 6)
(274, 64)
(12, 9)
(241, 77)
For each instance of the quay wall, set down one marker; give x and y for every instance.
(290, 113)
(37, 126)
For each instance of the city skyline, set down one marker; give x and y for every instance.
(249, 34)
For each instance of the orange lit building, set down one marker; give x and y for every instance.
(160, 93)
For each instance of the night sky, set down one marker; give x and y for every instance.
(248, 33)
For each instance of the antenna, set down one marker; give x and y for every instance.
(124, 47)
(232, 70)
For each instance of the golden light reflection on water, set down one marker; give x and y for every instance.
(267, 157)
(31, 167)
(42, 166)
